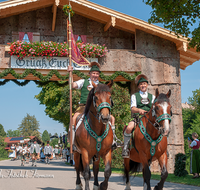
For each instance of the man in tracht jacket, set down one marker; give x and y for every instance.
(34, 152)
(141, 103)
(85, 85)
(48, 152)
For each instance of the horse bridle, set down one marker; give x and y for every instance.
(101, 106)
(158, 118)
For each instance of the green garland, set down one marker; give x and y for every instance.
(63, 78)
(68, 9)
(40, 83)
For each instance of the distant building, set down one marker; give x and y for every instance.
(53, 137)
(186, 105)
(20, 140)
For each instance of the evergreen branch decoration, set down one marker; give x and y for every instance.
(62, 78)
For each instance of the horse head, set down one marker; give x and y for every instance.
(162, 112)
(102, 101)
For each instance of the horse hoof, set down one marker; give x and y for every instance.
(79, 187)
(96, 187)
(156, 188)
(128, 186)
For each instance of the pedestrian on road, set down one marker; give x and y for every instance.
(34, 152)
(195, 156)
(48, 152)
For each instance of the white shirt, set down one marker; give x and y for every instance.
(194, 143)
(143, 95)
(81, 82)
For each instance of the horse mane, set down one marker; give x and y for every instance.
(162, 98)
(100, 88)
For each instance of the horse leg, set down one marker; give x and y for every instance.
(147, 177)
(126, 173)
(163, 164)
(96, 171)
(86, 168)
(107, 172)
(77, 160)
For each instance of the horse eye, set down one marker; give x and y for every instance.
(157, 108)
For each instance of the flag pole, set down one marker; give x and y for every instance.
(70, 89)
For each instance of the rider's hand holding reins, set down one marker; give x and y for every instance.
(142, 112)
(138, 110)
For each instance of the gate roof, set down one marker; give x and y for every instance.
(106, 16)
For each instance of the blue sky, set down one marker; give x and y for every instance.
(17, 101)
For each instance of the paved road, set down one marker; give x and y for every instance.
(59, 176)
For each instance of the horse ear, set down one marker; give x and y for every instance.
(157, 92)
(110, 84)
(169, 93)
(94, 85)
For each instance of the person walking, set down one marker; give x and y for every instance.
(195, 155)
(42, 156)
(34, 152)
(48, 152)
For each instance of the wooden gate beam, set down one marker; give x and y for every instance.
(54, 10)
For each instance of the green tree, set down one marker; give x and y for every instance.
(29, 126)
(2, 132)
(54, 142)
(56, 100)
(13, 133)
(178, 16)
(3, 152)
(45, 136)
(195, 100)
(191, 122)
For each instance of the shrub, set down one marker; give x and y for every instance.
(180, 160)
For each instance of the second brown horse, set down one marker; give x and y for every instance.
(150, 142)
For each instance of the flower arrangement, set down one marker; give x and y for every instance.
(92, 50)
(54, 49)
(68, 9)
(10, 151)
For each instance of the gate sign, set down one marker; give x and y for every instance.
(58, 63)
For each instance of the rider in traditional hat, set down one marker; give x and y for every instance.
(141, 103)
(85, 85)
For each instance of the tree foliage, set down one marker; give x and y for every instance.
(178, 16)
(56, 100)
(29, 126)
(3, 153)
(2, 132)
(45, 136)
(13, 133)
(191, 122)
(54, 142)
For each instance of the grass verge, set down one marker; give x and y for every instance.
(187, 180)
(4, 159)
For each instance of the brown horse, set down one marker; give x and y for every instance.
(94, 137)
(150, 142)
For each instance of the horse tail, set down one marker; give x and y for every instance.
(81, 164)
(134, 167)
(130, 168)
